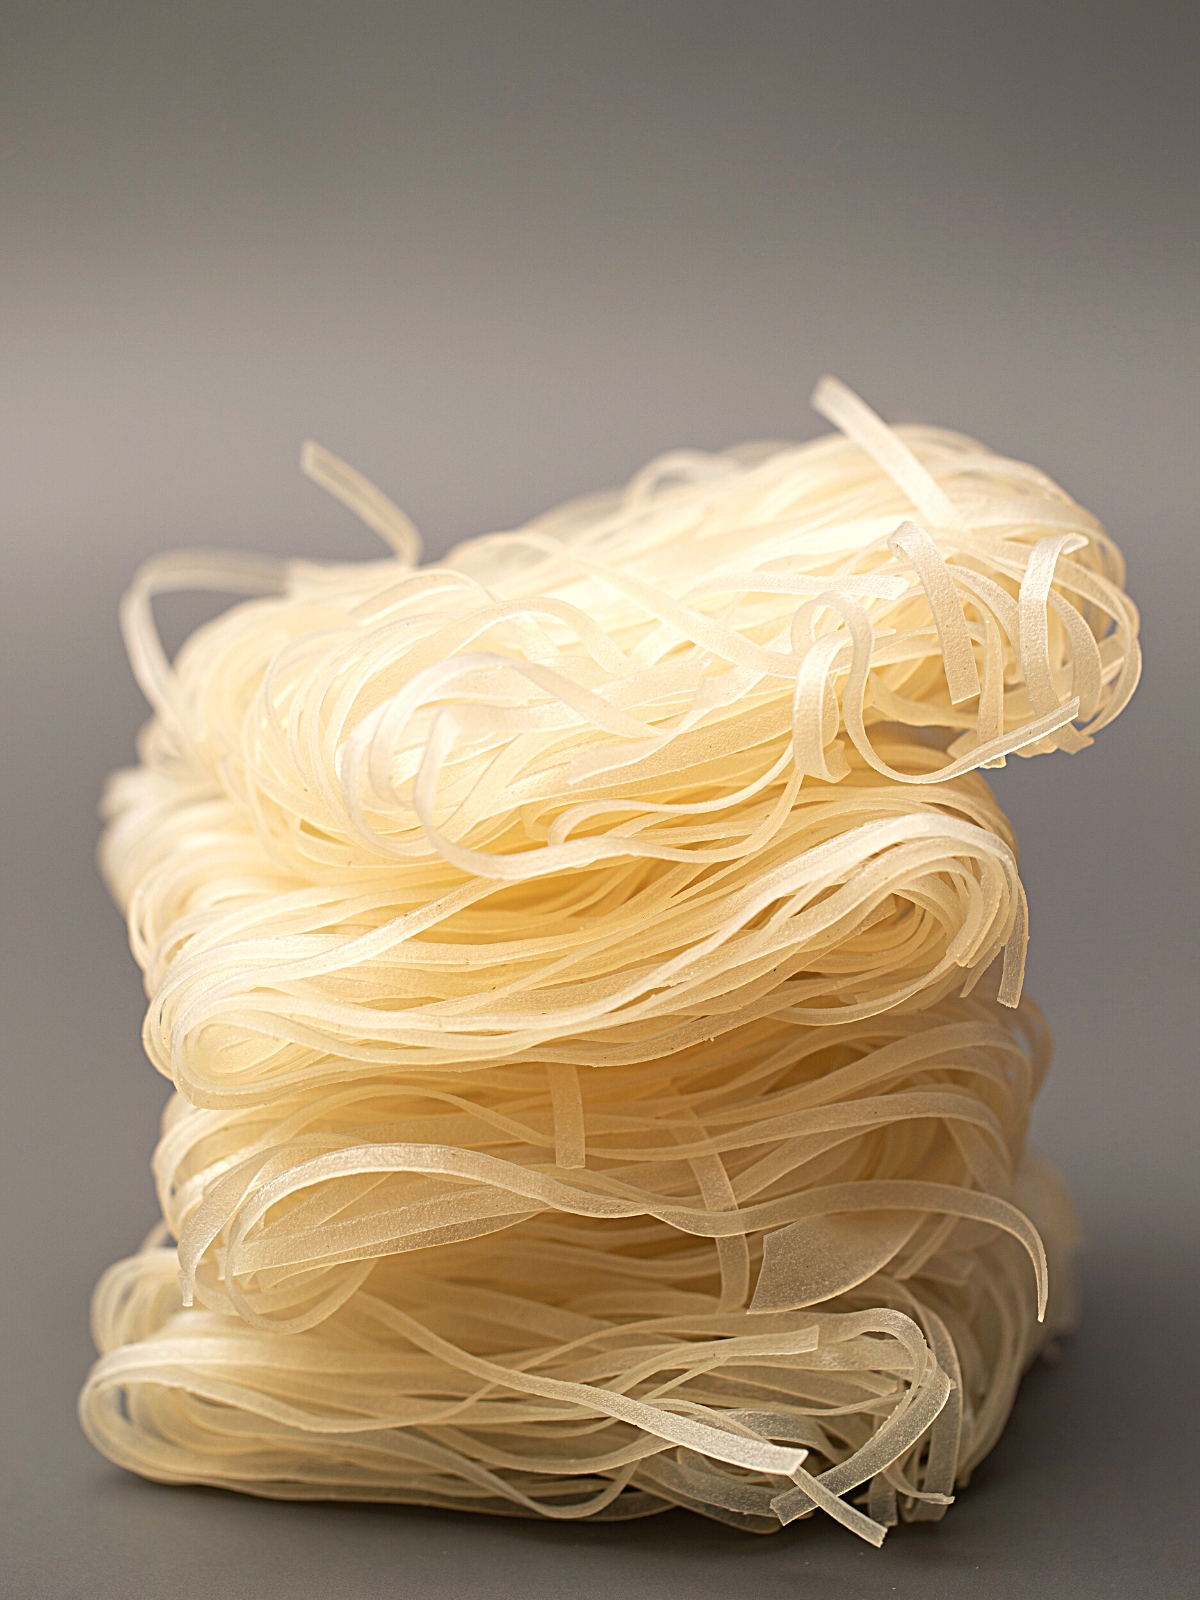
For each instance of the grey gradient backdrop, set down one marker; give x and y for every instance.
(496, 254)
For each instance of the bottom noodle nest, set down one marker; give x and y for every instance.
(794, 1270)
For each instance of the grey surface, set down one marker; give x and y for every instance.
(495, 254)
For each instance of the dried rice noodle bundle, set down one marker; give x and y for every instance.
(497, 700)
(554, 1369)
(841, 1150)
(568, 959)
(852, 900)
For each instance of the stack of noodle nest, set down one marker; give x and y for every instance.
(590, 972)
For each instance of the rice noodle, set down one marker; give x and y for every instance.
(576, 960)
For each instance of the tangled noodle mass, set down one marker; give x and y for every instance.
(590, 972)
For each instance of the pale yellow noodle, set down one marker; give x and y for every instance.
(589, 968)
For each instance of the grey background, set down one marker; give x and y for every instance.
(496, 254)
